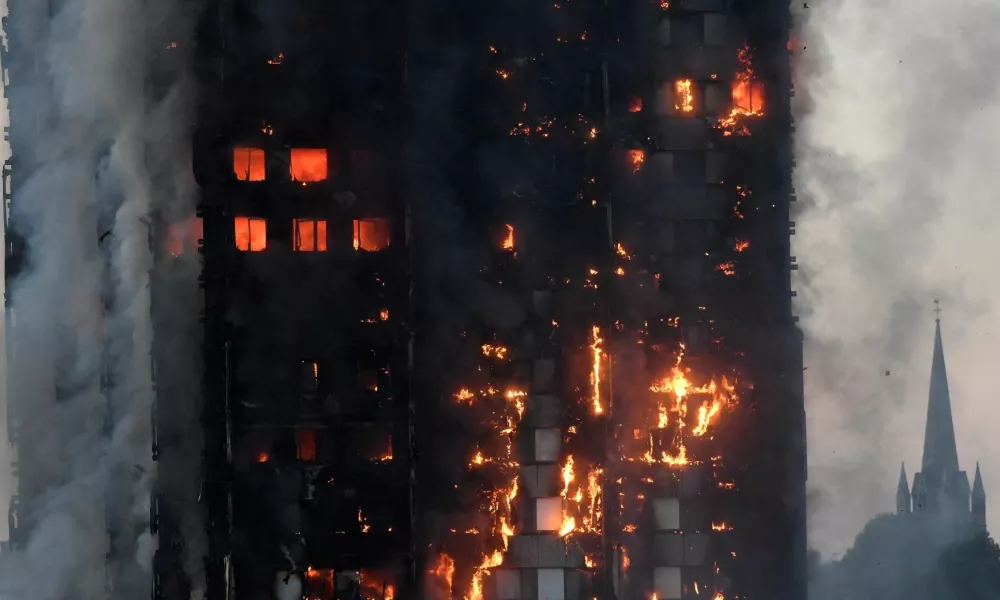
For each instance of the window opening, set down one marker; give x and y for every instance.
(251, 234)
(248, 164)
(371, 235)
(308, 164)
(309, 235)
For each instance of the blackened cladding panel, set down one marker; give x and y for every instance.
(305, 254)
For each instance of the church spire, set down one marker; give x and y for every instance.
(978, 500)
(902, 492)
(940, 451)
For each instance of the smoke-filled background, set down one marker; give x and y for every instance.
(101, 147)
(898, 106)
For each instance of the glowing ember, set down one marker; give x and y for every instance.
(683, 96)
(384, 314)
(498, 352)
(620, 271)
(595, 374)
(277, 59)
(741, 245)
(620, 250)
(727, 268)
(629, 528)
(635, 105)
(637, 158)
(464, 395)
(508, 242)
(664, 4)
(503, 74)
(262, 457)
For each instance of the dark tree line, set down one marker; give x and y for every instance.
(904, 557)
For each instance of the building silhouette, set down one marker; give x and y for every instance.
(488, 301)
(940, 489)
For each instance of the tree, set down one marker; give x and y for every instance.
(908, 557)
(969, 570)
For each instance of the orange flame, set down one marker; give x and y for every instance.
(748, 97)
(637, 158)
(464, 395)
(567, 475)
(508, 242)
(723, 393)
(595, 374)
(741, 245)
(499, 352)
(635, 105)
(444, 571)
(721, 527)
(567, 527)
(262, 457)
(620, 250)
(683, 96)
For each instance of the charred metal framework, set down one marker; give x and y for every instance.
(496, 303)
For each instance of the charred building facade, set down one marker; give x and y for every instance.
(495, 305)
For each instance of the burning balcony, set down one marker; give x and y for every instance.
(251, 234)
(308, 235)
(371, 234)
(308, 165)
(248, 164)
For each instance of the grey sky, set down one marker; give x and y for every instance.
(897, 144)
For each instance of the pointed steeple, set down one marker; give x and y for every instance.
(902, 492)
(978, 500)
(978, 491)
(940, 451)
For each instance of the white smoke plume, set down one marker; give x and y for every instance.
(898, 107)
(92, 162)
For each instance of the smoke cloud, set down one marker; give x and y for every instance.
(898, 103)
(93, 160)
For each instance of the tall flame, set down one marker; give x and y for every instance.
(748, 97)
(683, 96)
(595, 374)
(508, 242)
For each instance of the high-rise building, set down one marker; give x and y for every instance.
(496, 305)
(941, 489)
